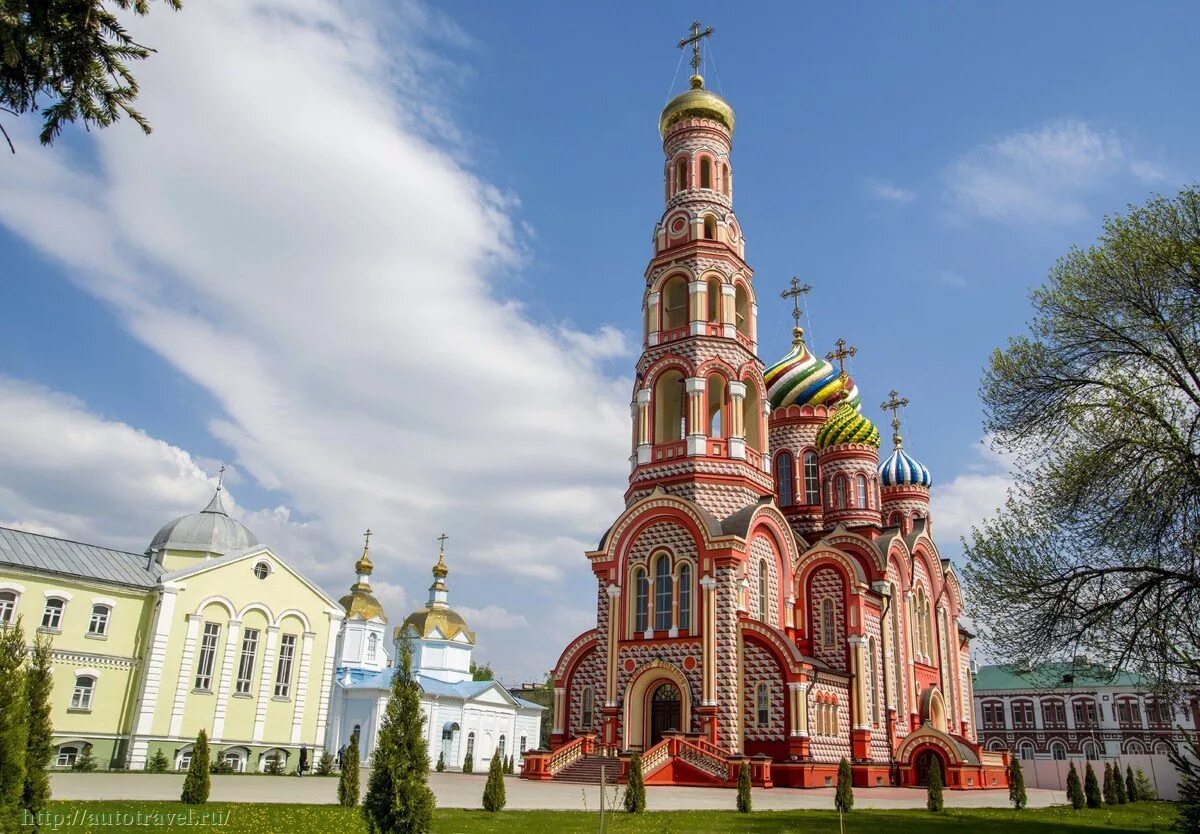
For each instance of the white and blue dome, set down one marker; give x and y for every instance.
(902, 469)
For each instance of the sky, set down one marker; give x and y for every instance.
(385, 262)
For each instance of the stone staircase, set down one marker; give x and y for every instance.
(586, 770)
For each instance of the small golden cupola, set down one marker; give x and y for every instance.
(360, 603)
(443, 641)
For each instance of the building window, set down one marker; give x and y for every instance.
(680, 175)
(523, 742)
(234, 759)
(642, 600)
(471, 744)
(812, 485)
(762, 590)
(841, 492)
(1158, 713)
(1022, 715)
(1089, 752)
(1058, 751)
(262, 570)
(662, 592)
(993, 715)
(283, 670)
(1085, 713)
(246, 661)
(8, 607)
(272, 756)
(710, 227)
(67, 754)
(783, 478)
(685, 596)
(81, 696)
(208, 656)
(500, 748)
(861, 492)
(872, 681)
(705, 172)
(1054, 714)
(52, 615)
(372, 647)
(828, 636)
(1026, 751)
(98, 625)
(588, 708)
(762, 704)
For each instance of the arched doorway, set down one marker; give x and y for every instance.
(922, 764)
(665, 711)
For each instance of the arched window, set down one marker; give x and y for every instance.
(1025, 750)
(235, 759)
(98, 624)
(81, 696)
(674, 297)
(662, 592)
(1089, 751)
(841, 492)
(828, 627)
(710, 227)
(685, 596)
(471, 744)
(714, 300)
(753, 416)
(861, 489)
(762, 704)
(783, 478)
(812, 485)
(705, 172)
(762, 590)
(642, 600)
(718, 398)
(680, 175)
(500, 747)
(872, 681)
(8, 606)
(67, 754)
(1058, 751)
(725, 176)
(896, 520)
(372, 646)
(588, 708)
(741, 309)
(52, 614)
(668, 407)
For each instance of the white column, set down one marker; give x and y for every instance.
(185, 673)
(302, 686)
(231, 651)
(697, 320)
(327, 682)
(729, 313)
(697, 437)
(152, 675)
(610, 682)
(737, 404)
(265, 684)
(645, 430)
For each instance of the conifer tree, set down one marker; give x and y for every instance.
(933, 799)
(1016, 784)
(325, 764)
(1145, 790)
(468, 763)
(635, 786)
(1109, 792)
(398, 799)
(441, 762)
(1075, 789)
(493, 790)
(843, 800)
(85, 762)
(743, 795)
(1188, 767)
(348, 779)
(1131, 791)
(14, 725)
(1119, 784)
(158, 762)
(39, 744)
(1091, 788)
(196, 785)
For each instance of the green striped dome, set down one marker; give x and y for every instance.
(847, 426)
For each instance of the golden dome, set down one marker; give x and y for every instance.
(427, 620)
(360, 602)
(697, 102)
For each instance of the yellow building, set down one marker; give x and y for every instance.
(208, 629)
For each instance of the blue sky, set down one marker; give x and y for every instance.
(388, 267)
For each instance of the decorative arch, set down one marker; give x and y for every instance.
(635, 725)
(294, 613)
(933, 709)
(216, 599)
(260, 607)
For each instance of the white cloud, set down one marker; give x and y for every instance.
(293, 241)
(1044, 175)
(889, 193)
(970, 496)
(492, 618)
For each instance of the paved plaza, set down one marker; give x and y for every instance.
(459, 790)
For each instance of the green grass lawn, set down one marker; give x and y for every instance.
(239, 818)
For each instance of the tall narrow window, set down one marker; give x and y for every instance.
(246, 661)
(841, 492)
(783, 478)
(812, 486)
(208, 655)
(872, 681)
(714, 300)
(81, 696)
(588, 708)
(680, 175)
(372, 647)
(283, 669)
(642, 600)
(685, 596)
(705, 172)
(98, 624)
(471, 744)
(710, 227)
(828, 623)
(500, 748)
(725, 176)
(762, 590)
(861, 484)
(662, 593)
(718, 392)
(762, 704)
(8, 607)
(52, 615)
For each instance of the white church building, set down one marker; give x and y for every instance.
(462, 716)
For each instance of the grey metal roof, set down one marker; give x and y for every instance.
(87, 561)
(209, 531)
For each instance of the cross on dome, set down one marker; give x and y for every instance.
(794, 293)
(841, 355)
(894, 403)
(694, 39)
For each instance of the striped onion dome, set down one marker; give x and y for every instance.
(847, 426)
(902, 469)
(800, 378)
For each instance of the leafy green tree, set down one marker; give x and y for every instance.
(1188, 767)
(196, 784)
(1119, 784)
(635, 786)
(69, 59)
(493, 790)
(933, 798)
(39, 745)
(398, 798)
(743, 789)
(1107, 380)
(1131, 791)
(14, 725)
(1091, 788)
(441, 762)
(158, 762)
(1075, 789)
(348, 779)
(843, 799)
(325, 764)
(1016, 784)
(482, 672)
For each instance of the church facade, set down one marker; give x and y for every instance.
(772, 591)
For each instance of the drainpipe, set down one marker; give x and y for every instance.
(884, 589)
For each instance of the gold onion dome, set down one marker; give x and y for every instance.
(697, 102)
(437, 619)
(847, 425)
(360, 603)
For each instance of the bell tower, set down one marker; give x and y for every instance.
(699, 427)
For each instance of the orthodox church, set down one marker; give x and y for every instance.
(463, 717)
(772, 592)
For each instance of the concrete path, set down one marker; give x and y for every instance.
(462, 790)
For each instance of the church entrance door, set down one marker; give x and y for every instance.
(924, 763)
(664, 711)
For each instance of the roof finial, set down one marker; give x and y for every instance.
(694, 39)
(440, 570)
(220, 477)
(841, 355)
(794, 293)
(894, 403)
(363, 566)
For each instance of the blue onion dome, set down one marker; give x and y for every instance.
(847, 425)
(902, 469)
(801, 378)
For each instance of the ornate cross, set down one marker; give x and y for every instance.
(442, 541)
(367, 539)
(841, 354)
(220, 477)
(894, 403)
(694, 40)
(794, 294)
